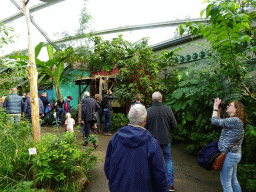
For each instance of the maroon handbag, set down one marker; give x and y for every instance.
(219, 161)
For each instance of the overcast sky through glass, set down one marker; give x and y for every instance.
(64, 17)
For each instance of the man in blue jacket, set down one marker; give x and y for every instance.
(134, 161)
(27, 108)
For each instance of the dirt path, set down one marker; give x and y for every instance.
(188, 176)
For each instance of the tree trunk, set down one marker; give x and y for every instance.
(33, 80)
(57, 90)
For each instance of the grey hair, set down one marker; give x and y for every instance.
(86, 94)
(137, 114)
(14, 90)
(156, 96)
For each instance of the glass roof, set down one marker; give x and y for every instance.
(62, 17)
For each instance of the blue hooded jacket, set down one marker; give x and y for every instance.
(134, 162)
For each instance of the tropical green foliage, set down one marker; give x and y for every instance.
(6, 35)
(27, 186)
(58, 158)
(228, 32)
(55, 165)
(107, 54)
(12, 76)
(15, 161)
(51, 72)
(138, 74)
(118, 120)
(192, 105)
(226, 75)
(138, 64)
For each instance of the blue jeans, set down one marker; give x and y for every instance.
(83, 129)
(228, 177)
(107, 120)
(168, 162)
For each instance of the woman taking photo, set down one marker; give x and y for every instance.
(232, 130)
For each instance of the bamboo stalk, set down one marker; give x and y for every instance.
(33, 79)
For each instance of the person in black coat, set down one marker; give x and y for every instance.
(45, 102)
(106, 106)
(59, 109)
(160, 123)
(44, 99)
(89, 107)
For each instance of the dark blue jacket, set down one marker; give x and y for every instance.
(27, 107)
(134, 162)
(67, 107)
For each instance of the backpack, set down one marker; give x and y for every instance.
(48, 108)
(208, 155)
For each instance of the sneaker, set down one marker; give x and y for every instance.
(171, 188)
(108, 134)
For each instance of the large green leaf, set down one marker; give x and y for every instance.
(177, 94)
(38, 49)
(57, 73)
(50, 63)
(43, 67)
(50, 51)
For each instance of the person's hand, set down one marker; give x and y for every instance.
(42, 115)
(110, 92)
(55, 104)
(82, 122)
(216, 103)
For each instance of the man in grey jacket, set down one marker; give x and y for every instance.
(160, 123)
(13, 104)
(89, 107)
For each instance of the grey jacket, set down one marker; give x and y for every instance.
(161, 122)
(89, 106)
(13, 103)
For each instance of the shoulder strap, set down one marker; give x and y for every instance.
(235, 143)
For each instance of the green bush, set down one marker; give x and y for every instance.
(192, 106)
(26, 186)
(15, 161)
(58, 160)
(249, 145)
(246, 174)
(118, 120)
(55, 166)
